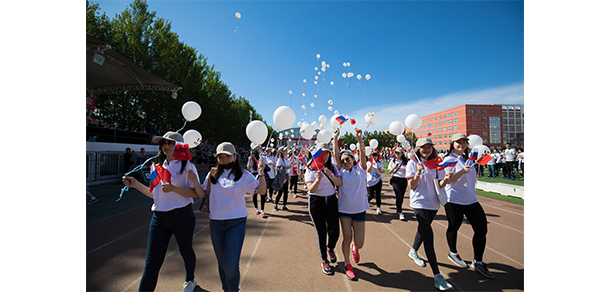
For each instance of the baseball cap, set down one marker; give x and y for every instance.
(225, 148)
(173, 136)
(423, 141)
(458, 136)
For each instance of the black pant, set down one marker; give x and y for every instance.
(375, 191)
(426, 234)
(508, 165)
(293, 183)
(399, 184)
(478, 220)
(284, 191)
(263, 199)
(324, 213)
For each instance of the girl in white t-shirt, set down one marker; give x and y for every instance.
(283, 166)
(425, 204)
(353, 201)
(462, 201)
(172, 202)
(294, 171)
(323, 208)
(397, 167)
(229, 186)
(373, 179)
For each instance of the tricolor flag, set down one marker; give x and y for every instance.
(473, 157)
(486, 158)
(341, 119)
(182, 151)
(448, 162)
(432, 163)
(159, 174)
(300, 156)
(317, 161)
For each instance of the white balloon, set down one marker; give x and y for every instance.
(312, 104)
(323, 64)
(315, 96)
(344, 75)
(397, 128)
(303, 107)
(344, 64)
(272, 139)
(253, 146)
(350, 74)
(283, 117)
(367, 76)
(271, 145)
(330, 102)
(358, 76)
(370, 118)
(323, 69)
(405, 144)
(413, 121)
(324, 137)
(307, 131)
(474, 140)
(314, 124)
(368, 150)
(304, 80)
(191, 110)
(318, 56)
(299, 124)
(256, 131)
(315, 77)
(352, 147)
(401, 138)
(315, 82)
(330, 108)
(322, 119)
(374, 143)
(481, 149)
(332, 83)
(336, 112)
(315, 68)
(303, 94)
(333, 121)
(238, 15)
(192, 138)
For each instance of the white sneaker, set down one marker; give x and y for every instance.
(416, 258)
(401, 216)
(189, 286)
(378, 211)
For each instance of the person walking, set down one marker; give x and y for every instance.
(462, 201)
(353, 202)
(172, 212)
(252, 166)
(425, 204)
(397, 167)
(229, 186)
(323, 207)
(270, 160)
(374, 169)
(294, 172)
(509, 164)
(491, 164)
(284, 164)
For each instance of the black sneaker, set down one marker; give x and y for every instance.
(285, 209)
(326, 268)
(91, 202)
(481, 267)
(456, 259)
(331, 255)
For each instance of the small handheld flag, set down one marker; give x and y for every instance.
(473, 157)
(159, 174)
(317, 161)
(182, 151)
(449, 162)
(432, 163)
(485, 159)
(341, 119)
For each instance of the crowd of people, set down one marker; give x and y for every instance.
(340, 186)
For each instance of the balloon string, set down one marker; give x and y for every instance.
(182, 127)
(137, 168)
(236, 27)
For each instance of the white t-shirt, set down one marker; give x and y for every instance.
(424, 196)
(510, 154)
(227, 198)
(462, 192)
(374, 176)
(498, 157)
(270, 159)
(401, 170)
(492, 161)
(325, 187)
(168, 201)
(353, 196)
(285, 162)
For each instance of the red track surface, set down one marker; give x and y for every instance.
(280, 252)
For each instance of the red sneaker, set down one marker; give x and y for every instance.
(355, 254)
(256, 212)
(349, 272)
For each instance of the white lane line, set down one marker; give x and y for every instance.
(487, 205)
(130, 233)
(258, 242)
(513, 229)
(486, 247)
(166, 257)
(398, 236)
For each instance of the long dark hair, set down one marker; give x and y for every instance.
(217, 171)
(162, 157)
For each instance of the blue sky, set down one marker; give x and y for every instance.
(423, 56)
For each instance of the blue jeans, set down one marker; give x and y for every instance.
(227, 240)
(180, 223)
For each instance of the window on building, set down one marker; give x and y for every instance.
(470, 111)
(455, 120)
(484, 111)
(455, 127)
(477, 111)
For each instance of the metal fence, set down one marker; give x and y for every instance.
(108, 166)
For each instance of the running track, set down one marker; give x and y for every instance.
(280, 252)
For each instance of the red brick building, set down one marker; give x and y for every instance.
(496, 124)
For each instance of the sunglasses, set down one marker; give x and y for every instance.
(169, 142)
(345, 160)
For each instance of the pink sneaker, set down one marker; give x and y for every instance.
(355, 254)
(349, 272)
(256, 212)
(263, 214)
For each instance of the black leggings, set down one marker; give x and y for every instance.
(284, 191)
(478, 220)
(425, 234)
(263, 199)
(324, 213)
(375, 191)
(293, 183)
(399, 184)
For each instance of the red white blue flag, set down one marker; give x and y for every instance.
(159, 174)
(341, 120)
(317, 161)
(433, 163)
(448, 162)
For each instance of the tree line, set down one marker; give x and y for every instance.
(148, 41)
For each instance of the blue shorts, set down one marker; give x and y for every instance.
(358, 217)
